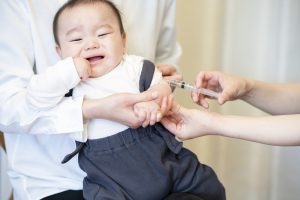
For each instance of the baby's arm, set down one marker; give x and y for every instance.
(153, 111)
(47, 89)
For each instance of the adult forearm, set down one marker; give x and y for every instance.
(275, 98)
(116, 107)
(280, 130)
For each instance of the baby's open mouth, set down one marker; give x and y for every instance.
(95, 58)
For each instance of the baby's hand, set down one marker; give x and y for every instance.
(83, 68)
(149, 111)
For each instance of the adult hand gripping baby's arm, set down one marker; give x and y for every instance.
(117, 107)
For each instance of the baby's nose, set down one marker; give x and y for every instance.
(92, 44)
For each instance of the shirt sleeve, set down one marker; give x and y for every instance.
(157, 77)
(47, 89)
(168, 50)
(18, 106)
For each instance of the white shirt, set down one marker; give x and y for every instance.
(27, 48)
(123, 78)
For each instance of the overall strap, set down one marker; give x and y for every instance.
(146, 75)
(79, 146)
(70, 93)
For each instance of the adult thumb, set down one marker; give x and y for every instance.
(145, 96)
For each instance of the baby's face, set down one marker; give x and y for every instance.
(92, 32)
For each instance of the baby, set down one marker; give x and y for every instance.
(146, 163)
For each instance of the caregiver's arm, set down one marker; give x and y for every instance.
(117, 107)
(282, 130)
(274, 98)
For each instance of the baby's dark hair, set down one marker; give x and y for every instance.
(73, 3)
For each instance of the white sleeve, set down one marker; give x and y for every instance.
(47, 89)
(16, 70)
(168, 50)
(157, 77)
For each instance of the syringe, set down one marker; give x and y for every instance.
(193, 88)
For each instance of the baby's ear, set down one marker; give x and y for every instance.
(58, 50)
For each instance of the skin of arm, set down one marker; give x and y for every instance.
(118, 107)
(281, 130)
(272, 98)
(153, 111)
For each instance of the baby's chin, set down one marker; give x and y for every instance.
(100, 70)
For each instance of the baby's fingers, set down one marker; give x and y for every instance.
(147, 119)
(153, 118)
